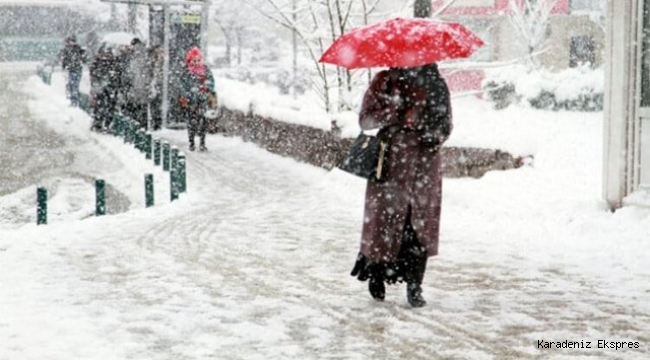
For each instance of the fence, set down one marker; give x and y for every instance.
(160, 152)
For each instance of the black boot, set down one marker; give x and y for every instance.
(377, 288)
(191, 144)
(414, 282)
(414, 295)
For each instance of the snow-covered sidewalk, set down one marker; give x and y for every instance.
(253, 262)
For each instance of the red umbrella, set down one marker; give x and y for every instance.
(401, 43)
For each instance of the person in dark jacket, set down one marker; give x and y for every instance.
(412, 109)
(72, 57)
(122, 54)
(136, 82)
(104, 83)
(197, 93)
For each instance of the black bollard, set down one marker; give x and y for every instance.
(148, 190)
(156, 152)
(182, 174)
(41, 209)
(173, 175)
(147, 146)
(165, 158)
(100, 197)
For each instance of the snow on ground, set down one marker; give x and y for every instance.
(253, 262)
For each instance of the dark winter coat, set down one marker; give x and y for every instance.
(418, 98)
(104, 72)
(196, 90)
(72, 57)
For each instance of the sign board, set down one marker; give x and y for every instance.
(186, 19)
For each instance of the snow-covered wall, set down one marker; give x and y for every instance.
(325, 148)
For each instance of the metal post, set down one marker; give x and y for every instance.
(173, 175)
(133, 127)
(41, 209)
(148, 190)
(140, 139)
(156, 152)
(136, 139)
(133, 132)
(147, 146)
(165, 158)
(129, 136)
(100, 197)
(116, 124)
(182, 174)
(294, 55)
(125, 128)
(173, 166)
(204, 28)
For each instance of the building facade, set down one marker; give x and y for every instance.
(574, 35)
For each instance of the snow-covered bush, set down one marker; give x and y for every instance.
(500, 92)
(576, 89)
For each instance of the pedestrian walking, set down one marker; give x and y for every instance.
(72, 57)
(197, 93)
(104, 84)
(412, 109)
(137, 82)
(122, 54)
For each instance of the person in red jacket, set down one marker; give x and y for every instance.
(197, 94)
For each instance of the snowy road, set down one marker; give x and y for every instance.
(22, 140)
(253, 263)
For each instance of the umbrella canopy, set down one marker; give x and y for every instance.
(401, 42)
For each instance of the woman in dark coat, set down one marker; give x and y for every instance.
(412, 109)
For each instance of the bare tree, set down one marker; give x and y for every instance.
(531, 20)
(317, 24)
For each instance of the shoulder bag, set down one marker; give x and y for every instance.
(366, 158)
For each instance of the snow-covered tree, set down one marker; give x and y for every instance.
(531, 20)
